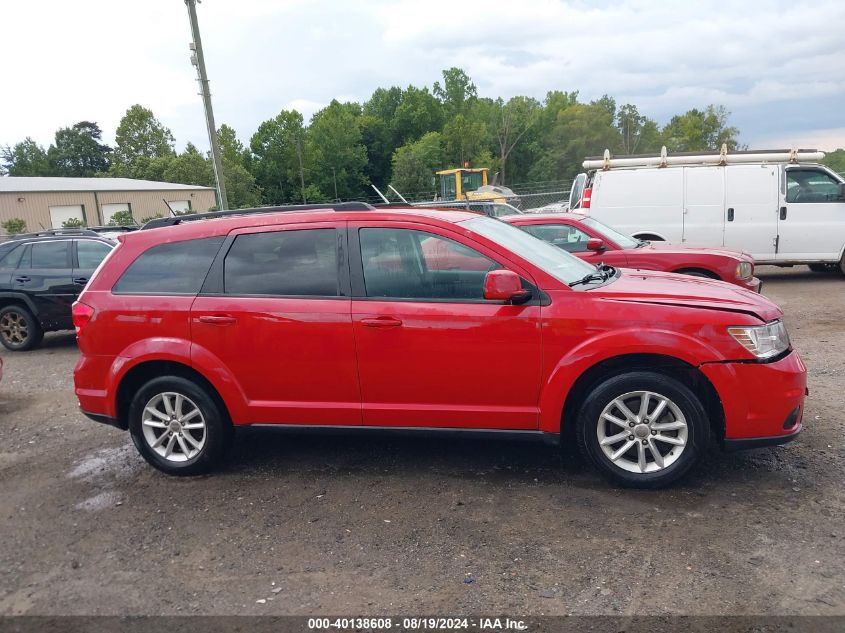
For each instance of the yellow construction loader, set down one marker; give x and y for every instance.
(470, 183)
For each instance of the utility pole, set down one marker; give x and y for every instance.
(198, 60)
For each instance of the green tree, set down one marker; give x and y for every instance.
(511, 122)
(241, 189)
(79, 151)
(13, 226)
(835, 160)
(638, 133)
(700, 130)
(464, 138)
(26, 158)
(338, 156)
(122, 218)
(414, 165)
(456, 93)
(190, 168)
(139, 135)
(278, 163)
(73, 223)
(418, 113)
(231, 148)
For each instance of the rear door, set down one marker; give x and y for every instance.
(87, 255)
(811, 223)
(44, 273)
(432, 352)
(278, 318)
(704, 205)
(751, 202)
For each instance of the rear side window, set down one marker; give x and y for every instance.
(90, 253)
(296, 262)
(178, 268)
(10, 256)
(50, 255)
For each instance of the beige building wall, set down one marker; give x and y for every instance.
(34, 207)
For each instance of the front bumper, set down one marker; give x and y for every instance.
(762, 401)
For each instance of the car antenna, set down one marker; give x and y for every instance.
(401, 197)
(167, 204)
(380, 194)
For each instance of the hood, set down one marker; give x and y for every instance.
(669, 247)
(647, 286)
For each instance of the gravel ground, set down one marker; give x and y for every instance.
(320, 525)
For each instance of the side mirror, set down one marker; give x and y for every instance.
(595, 244)
(505, 285)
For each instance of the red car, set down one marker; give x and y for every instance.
(428, 321)
(595, 242)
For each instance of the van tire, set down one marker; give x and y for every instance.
(163, 442)
(824, 268)
(682, 421)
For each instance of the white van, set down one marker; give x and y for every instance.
(781, 206)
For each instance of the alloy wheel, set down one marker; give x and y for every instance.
(642, 432)
(14, 328)
(174, 427)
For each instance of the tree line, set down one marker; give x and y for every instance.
(399, 136)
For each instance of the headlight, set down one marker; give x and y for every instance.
(764, 341)
(744, 269)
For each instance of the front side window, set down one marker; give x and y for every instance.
(564, 236)
(409, 264)
(296, 262)
(50, 254)
(176, 268)
(91, 253)
(810, 185)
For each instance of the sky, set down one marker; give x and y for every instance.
(779, 67)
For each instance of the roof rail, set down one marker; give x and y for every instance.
(52, 232)
(190, 217)
(721, 157)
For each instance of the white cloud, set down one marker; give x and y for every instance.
(94, 60)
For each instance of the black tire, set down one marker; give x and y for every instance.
(215, 439)
(824, 268)
(19, 329)
(689, 406)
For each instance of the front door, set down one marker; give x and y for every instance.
(751, 209)
(279, 322)
(812, 222)
(432, 352)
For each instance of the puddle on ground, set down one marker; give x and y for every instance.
(117, 462)
(98, 502)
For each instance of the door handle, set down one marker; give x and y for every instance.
(80, 280)
(731, 214)
(217, 319)
(22, 279)
(783, 213)
(381, 322)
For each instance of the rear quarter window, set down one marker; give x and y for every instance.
(177, 268)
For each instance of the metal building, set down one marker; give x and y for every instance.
(48, 202)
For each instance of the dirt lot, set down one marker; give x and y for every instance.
(316, 525)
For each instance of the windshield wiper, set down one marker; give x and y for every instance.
(603, 272)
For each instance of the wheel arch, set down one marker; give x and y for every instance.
(14, 298)
(649, 235)
(145, 371)
(674, 367)
(698, 270)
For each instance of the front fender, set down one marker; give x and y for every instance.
(609, 345)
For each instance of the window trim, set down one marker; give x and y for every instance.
(356, 264)
(214, 281)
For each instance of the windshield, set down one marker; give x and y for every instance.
(559, 264)
(625, 241)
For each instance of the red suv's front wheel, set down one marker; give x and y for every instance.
(178, 427)
(643, 429)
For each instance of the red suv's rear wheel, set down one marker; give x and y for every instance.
(178, 427)
(643, 429)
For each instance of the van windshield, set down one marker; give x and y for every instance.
(558, 263)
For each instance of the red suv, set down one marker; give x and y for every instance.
(422, 321)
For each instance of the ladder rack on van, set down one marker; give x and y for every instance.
(722, 157)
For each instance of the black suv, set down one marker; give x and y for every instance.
(41, 274)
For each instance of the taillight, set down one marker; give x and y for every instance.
(585, 197)
(82, 313)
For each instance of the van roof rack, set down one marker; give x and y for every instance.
(722, 157)
(190, 217)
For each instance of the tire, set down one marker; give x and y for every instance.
(19, 329)
(206, 438)
(682, 424)
(825, 268)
